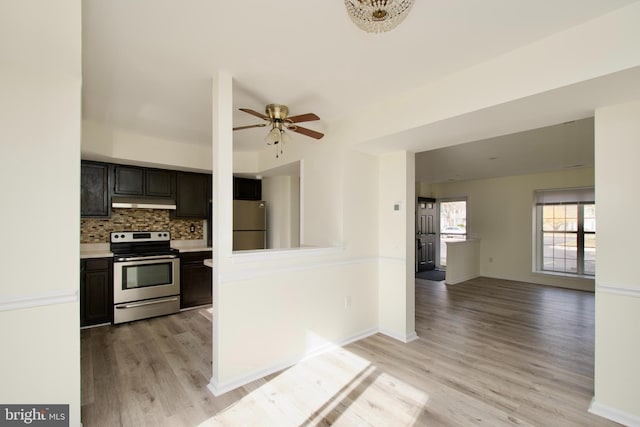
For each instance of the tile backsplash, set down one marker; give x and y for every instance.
(96, 230)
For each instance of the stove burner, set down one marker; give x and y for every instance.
(127, 245)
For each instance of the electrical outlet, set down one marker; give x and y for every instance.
(347, 302)
(192, 228)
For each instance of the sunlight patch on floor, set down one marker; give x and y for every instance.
(334, 388)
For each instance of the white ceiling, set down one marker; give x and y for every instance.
(147, 64)
(552, 148)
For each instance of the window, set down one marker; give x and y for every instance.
(566, 231)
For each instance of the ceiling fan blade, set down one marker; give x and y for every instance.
(307, 132)
(254, 113)
(251, 126)
(309, 117)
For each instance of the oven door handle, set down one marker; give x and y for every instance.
(145, 258)
(143, 303)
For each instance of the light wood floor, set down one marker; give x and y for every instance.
(491, 352)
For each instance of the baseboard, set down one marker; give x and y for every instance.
(614, 414)
(96, 326)
(462, 279)
(221, 388)
(402, 338)
(411, 337)
(197, 307)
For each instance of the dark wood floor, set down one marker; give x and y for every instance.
(491, 352)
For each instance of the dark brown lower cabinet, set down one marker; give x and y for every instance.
(195, 279)
(96, 291)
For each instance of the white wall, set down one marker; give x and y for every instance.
(245, 162)
(282, 194)
(321, 190)
(396, 205)
(294, 214)
(105, 143)
(500, 214)
(463, 261)
(40, 82)
(271, 320)
(360, 216)
(275, 308)
(617, 372)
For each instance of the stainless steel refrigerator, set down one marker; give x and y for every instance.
(249, 225)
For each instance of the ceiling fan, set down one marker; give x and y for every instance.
(278, 117)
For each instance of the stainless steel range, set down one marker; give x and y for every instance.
(146, 275)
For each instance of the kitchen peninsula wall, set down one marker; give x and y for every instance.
(96, 230)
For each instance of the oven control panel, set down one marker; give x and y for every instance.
(139, 236)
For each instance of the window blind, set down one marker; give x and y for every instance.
(582, 195)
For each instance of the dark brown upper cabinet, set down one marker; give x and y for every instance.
(128, 180)
(190, 191)
(247, 189)
(160, 183)
(94, 189)
(143, 182)
(193, 192)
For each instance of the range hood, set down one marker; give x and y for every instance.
(142, 203)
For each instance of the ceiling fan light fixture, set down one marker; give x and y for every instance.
(274, 136)
(277, 116)
(378, 16)
(277, 137)
(285, 137)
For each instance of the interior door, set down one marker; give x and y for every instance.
(425, 234)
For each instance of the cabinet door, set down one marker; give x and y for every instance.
(247, 189)
(196, 285)
(195, 280)
(159, 183)
(128, 180)
(192, 195)
(94, 190)
(96, 301)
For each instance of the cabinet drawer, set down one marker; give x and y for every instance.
(194, 257)
(97, 264)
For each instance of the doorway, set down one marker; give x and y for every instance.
(453, 225)
(426, 215)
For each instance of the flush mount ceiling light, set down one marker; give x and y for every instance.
(378, 16)
(278, 117)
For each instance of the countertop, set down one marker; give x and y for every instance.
(101, 250)
(208, 262)
(196, 249)
(190, 245)
(95, 250)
